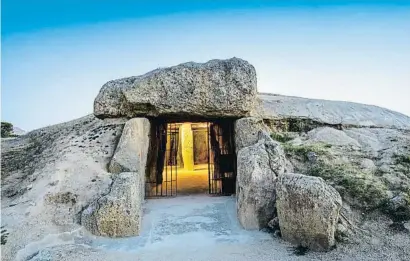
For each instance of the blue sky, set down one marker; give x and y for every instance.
(57, 54)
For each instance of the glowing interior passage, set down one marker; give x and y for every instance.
(191, 163)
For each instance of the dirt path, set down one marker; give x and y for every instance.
(206, 228)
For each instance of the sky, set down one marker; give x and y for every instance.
(56, 55)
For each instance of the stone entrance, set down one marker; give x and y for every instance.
(188, 123)
(166, 108)
(191, 157)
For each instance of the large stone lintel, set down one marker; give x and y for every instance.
(218, 88)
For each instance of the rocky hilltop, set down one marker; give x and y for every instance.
(335, 113)
(350, 161)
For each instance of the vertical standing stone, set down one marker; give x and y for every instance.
(187, 146)
(308, 210)
(247, 131)
(119, 213)
(131, 152)
(258, 168)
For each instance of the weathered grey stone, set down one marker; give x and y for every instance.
(368, 165)
(216, 88)
(131, 152)
(246, 131)
(119, 213)
(258, 167)
(308, 210)
(330, 112)
(274, 224)
(331, 136)
(341, 233)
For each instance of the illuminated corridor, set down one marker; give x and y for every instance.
(189, 143)
(191, 158)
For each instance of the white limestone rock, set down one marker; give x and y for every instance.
(308, 210)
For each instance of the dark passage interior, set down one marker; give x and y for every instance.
(189, 157)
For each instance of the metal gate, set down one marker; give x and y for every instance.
(222, 160)
(166, 169)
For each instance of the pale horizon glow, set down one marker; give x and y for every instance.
(349, 54)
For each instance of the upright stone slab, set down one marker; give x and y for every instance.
(131, 152)
(257, 169)
(218, 88)
(119, 213)
(308, 210)
(247, 131)
(187, 141)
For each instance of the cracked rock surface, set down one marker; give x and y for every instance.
(329, 112)
(217, 88)
(308, 211)
(119, 213)
(258, 167)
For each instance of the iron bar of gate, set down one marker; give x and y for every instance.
(172, 148)
(220, 143)
(158, 136)
(217, 174)
(172, 151)
(209, 157)
(169, 157)
(176, 161)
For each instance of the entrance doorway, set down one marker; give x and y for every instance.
(190, 157)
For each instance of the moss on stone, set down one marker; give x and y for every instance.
(368, 191)
(302, 150)
(360, 188)
(296, 124)
(402, 162)
(402, 159)
(408, 196)
(280, 137)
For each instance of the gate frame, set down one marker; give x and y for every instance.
(217, 176)
(167, 121)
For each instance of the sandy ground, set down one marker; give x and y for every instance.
(206, 228)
